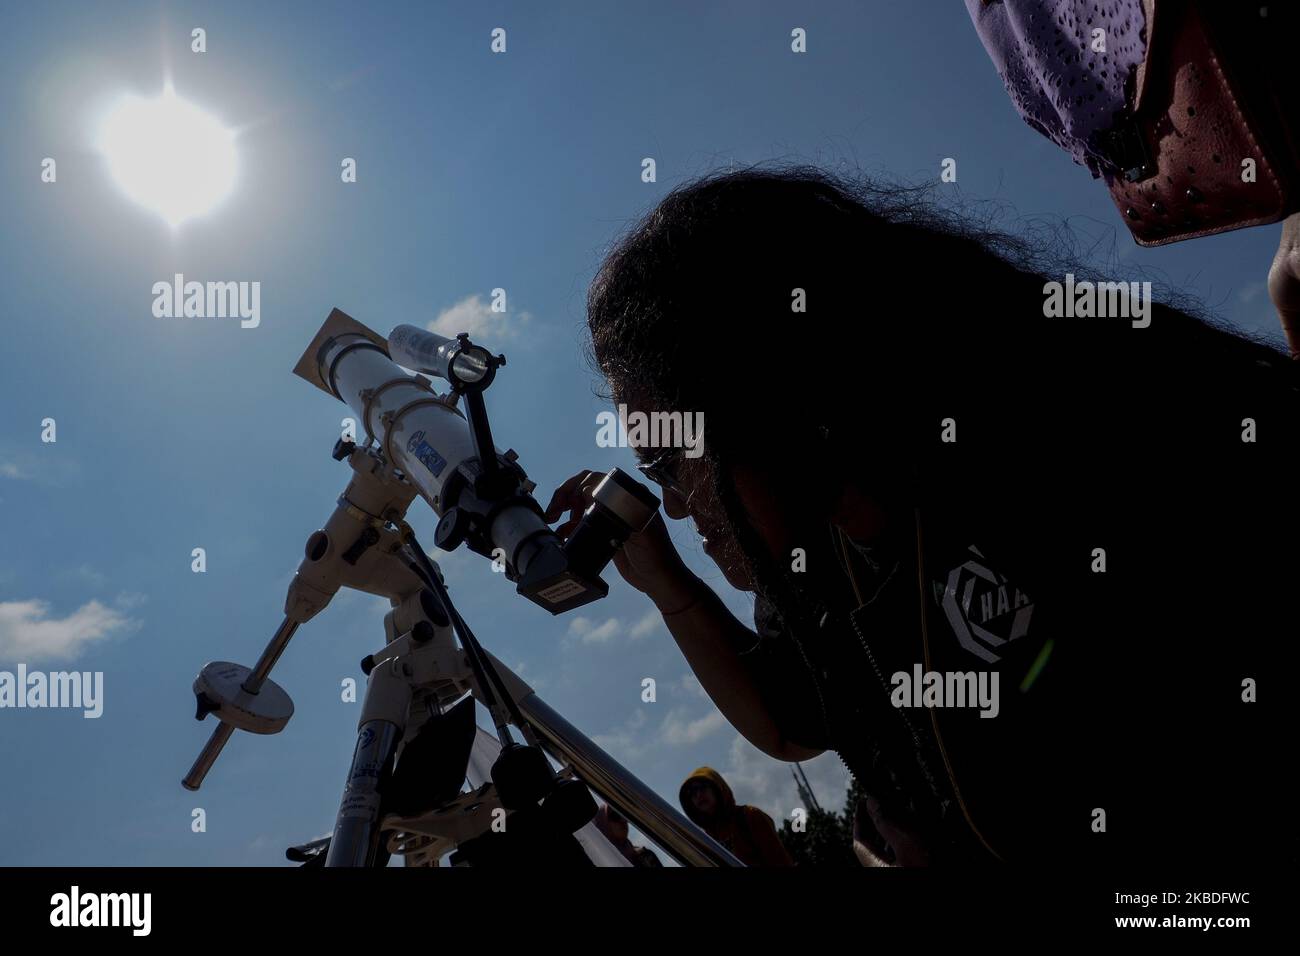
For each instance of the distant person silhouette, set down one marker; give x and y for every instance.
(746, 831)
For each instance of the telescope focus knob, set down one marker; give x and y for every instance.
(452, 529)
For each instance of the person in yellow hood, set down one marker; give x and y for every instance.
(746, 831)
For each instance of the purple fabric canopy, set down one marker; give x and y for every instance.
(1043, 50)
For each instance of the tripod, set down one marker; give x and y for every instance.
(417, 732)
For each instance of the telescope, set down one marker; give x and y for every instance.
(483, 496)
(417, 739)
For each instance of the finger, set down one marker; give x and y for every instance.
(579, 498)
(560, 499)
(563, 496)
(575, 515)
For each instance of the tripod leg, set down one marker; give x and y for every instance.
(383, 722)
(651, 814)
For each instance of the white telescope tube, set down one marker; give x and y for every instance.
(420, 434)
(431, 443)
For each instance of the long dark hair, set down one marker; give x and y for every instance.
(912, 312)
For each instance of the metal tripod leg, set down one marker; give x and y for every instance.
(383, 722)
(653, 815)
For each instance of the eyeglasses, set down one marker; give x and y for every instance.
(662, 470)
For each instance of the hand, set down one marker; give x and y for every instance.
(647, 561)
(881, 841)
(1284, 282)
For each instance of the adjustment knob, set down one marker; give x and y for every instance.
(452, 529)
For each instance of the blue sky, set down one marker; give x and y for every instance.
(475, 171)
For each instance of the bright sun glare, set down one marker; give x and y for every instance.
(168, 155)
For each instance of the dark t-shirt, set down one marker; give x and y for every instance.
(872, 656)
(1120, 734)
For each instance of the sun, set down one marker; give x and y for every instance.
(168, 155)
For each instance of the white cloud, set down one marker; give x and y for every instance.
(651, 622)
(690, 685)
(525, 674)
(29, 634)
(48, 467)
(86, 573)
(587, 631)
(458, 560)
(475, 316)
(679, 730)
(625, 743)
(759, 780)
(634, 739)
